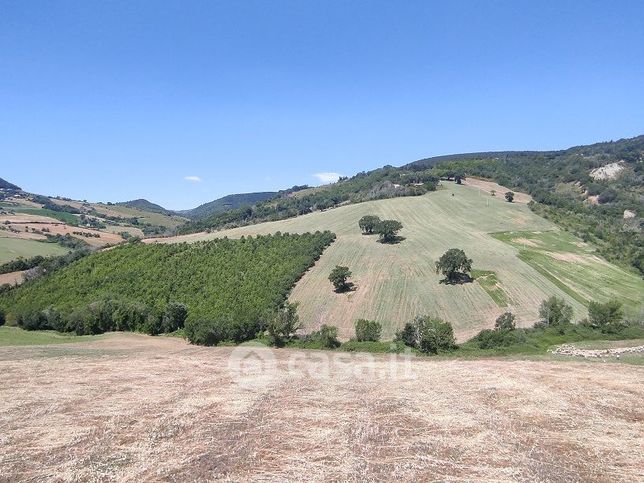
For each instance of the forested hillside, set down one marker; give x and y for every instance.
(229, 202)
(387, 182)
(145, 205)
(606, 211)
(234, 283)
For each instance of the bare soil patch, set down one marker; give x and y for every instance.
(135, 408)
(12, 278)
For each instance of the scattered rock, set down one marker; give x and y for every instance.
(571, 350)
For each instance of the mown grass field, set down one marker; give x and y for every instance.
(397, 282)
(12, 248)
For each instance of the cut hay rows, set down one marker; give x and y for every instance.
(397, 282)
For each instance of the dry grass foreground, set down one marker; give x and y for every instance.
(134, 408)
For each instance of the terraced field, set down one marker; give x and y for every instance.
(397, 282)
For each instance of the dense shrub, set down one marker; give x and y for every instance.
(326, 337)
(490, 339)
(428, 334)
(607, 317)
(174, 317)
(33, 320)
(2, 317)
(55, 319)
(505, 321)
(368, 330)
(84, 321)
(208, 332)
(153, 324)
(130, 316)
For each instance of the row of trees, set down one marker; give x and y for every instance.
(554, 314)
(107, 316)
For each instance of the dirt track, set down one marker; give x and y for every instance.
(136, 408)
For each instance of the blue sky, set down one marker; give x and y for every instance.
(125, 99)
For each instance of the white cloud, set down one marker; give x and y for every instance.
(194, 179)
(326, 178)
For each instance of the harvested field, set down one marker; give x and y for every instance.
(133, 408)
(25, 224)
(395, 283)
(488, 186)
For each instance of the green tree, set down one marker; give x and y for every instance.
(327, 336)
(368, 224)
(505, 322)
(388, 230)
(208, 332)
(174, 316)
(368, 330)
(454, 265)
(428, 334)
(282, 326)
(607, 317)
(555, 312)
(339, 278)
(509, 196)
(2, 317)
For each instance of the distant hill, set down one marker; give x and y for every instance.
(145, 205)
(229, 202)
(5, 185)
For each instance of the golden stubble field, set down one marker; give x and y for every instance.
(127, 407)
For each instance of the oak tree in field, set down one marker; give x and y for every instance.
(368, 224)
(509, 196)
(339, 278)
(388, 230)
(454, 265)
